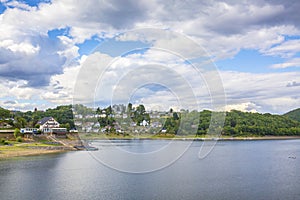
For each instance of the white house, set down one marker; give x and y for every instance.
(47, 124)
(144, 123)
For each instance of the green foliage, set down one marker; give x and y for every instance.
(139, 114)
(4, 113)
(294, 114)
(172, 123)
(239, 123)
(67, 126)
(19, 139)
(17, 133)
(20, 122)
(63, 114)
(4, 142)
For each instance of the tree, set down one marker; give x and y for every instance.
(129, 108)
(4, 113)
(20, 122)
(17, 133)
(67, 126)
(175, 116)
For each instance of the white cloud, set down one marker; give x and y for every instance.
(263, 90)
(285, 49)
(23, 47)
(38, 63)
(245, 107)
(61, 88)
(295, 62)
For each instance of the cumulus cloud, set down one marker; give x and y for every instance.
(285, 49)
(245, 107)
(37, 70)
(263, 90)
(31, 61)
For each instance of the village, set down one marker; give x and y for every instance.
(81, 120)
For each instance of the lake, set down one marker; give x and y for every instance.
(232, 170)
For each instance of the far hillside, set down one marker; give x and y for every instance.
(294, 114)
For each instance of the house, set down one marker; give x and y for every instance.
(47, 124)
(164, 130)
(144, 123)
(73, 131)
(5, 125)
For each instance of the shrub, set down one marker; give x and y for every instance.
(6, 142)
(19, 139)
(2, 140)
(17, 132)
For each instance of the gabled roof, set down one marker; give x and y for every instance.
(44, 120)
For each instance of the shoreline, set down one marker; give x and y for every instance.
(253, 138)
(9, 152)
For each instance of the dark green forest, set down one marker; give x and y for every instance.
(236, 123)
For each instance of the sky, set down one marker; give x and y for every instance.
(193, 54)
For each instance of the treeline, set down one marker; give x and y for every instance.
(18, 119)
(239, 123)
(236, 123)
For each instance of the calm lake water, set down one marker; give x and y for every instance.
(233, 170)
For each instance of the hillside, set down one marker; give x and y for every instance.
(239, 123)
(294, 114)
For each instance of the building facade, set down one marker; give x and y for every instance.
(47, 124)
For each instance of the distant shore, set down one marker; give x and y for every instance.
(7, 152)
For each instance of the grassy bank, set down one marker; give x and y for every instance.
(29, 148)
(16, 151)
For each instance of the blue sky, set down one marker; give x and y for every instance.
(255, 46)
(250, 61)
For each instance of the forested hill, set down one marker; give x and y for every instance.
(294, 114)
(239, 123)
